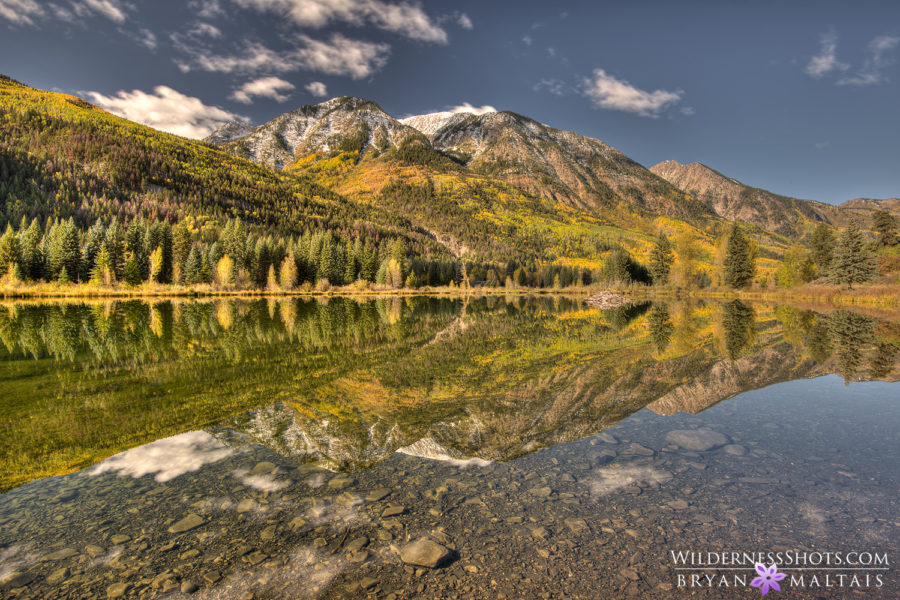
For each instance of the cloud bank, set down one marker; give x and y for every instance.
(166, 109)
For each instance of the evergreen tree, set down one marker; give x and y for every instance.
(853, 261)
(822, 245)
(30, 247)
(661, 327)
(63, 277)
(132, 271)
(739, 267)
(93, 241)
(102, 271)
(738, 323)
(192, 267)
(181, 249)
(661, 257)
(885, 225)
(615, 269)
(10, 252)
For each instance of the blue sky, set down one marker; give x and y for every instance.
(800, 98)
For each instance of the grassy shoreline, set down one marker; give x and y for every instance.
(873, 295)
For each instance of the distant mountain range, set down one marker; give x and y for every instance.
(494, 186)
(557, 165)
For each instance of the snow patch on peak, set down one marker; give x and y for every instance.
(431, 123)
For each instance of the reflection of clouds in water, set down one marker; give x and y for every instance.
(613, 477)
(263, 482)
(316, 481)
(14, 558)
(167, 458)
(430, 449)
(814, 516)
(305, 575)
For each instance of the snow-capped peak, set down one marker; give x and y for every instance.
(431, 123)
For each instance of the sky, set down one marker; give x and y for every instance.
(800, 98)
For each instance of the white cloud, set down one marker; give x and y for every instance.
(205, 30)
(336, 56)
(871, 71)
(167, 458)
(21, 12)
(527, 40)
(552, 85)
(147, 39)
(24, 12)
(114, 10)
(404, 18)
(264, 87)
(166, 109)
(464, 21)
(605, 91)
(317, 89)
(207, 9)
(465, 107)
(826, 60)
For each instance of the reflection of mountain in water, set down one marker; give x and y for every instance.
(614, 366)
(346, 383)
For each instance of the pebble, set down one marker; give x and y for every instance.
(393, 511)
(188, 587)
(378, 494)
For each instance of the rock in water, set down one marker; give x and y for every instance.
(699, 440)
(186, 524)
(424, 553)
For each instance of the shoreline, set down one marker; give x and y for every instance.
(873, 296)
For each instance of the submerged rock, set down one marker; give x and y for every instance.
(186, 524)
(699, 440)
(424, 553)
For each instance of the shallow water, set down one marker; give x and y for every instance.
(292, 450)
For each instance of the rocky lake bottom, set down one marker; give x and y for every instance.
(809, 465)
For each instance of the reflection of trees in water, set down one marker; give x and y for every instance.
(619, 317)
(660, 326)
(883, 360)
(851, 333)
(737, 321)
(818, 341)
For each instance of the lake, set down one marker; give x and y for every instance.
(496, 447)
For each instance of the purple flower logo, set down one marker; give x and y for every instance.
(768, 578)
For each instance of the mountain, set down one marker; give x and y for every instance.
(735, 201)
(873, 204)
(345, 123)
(229, 132)
(560, 166)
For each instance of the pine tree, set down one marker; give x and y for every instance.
(661, 257)
(616, 267)
(885, 225)
(181, 249)
(192, 267)
(822, 245)
(10, 253)
(102, 271)
(853, 261)
(132, 272)
(30, 247)
(739, 267)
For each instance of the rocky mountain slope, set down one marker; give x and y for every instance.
(560, 166)
(344, 123)
(735, 201)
